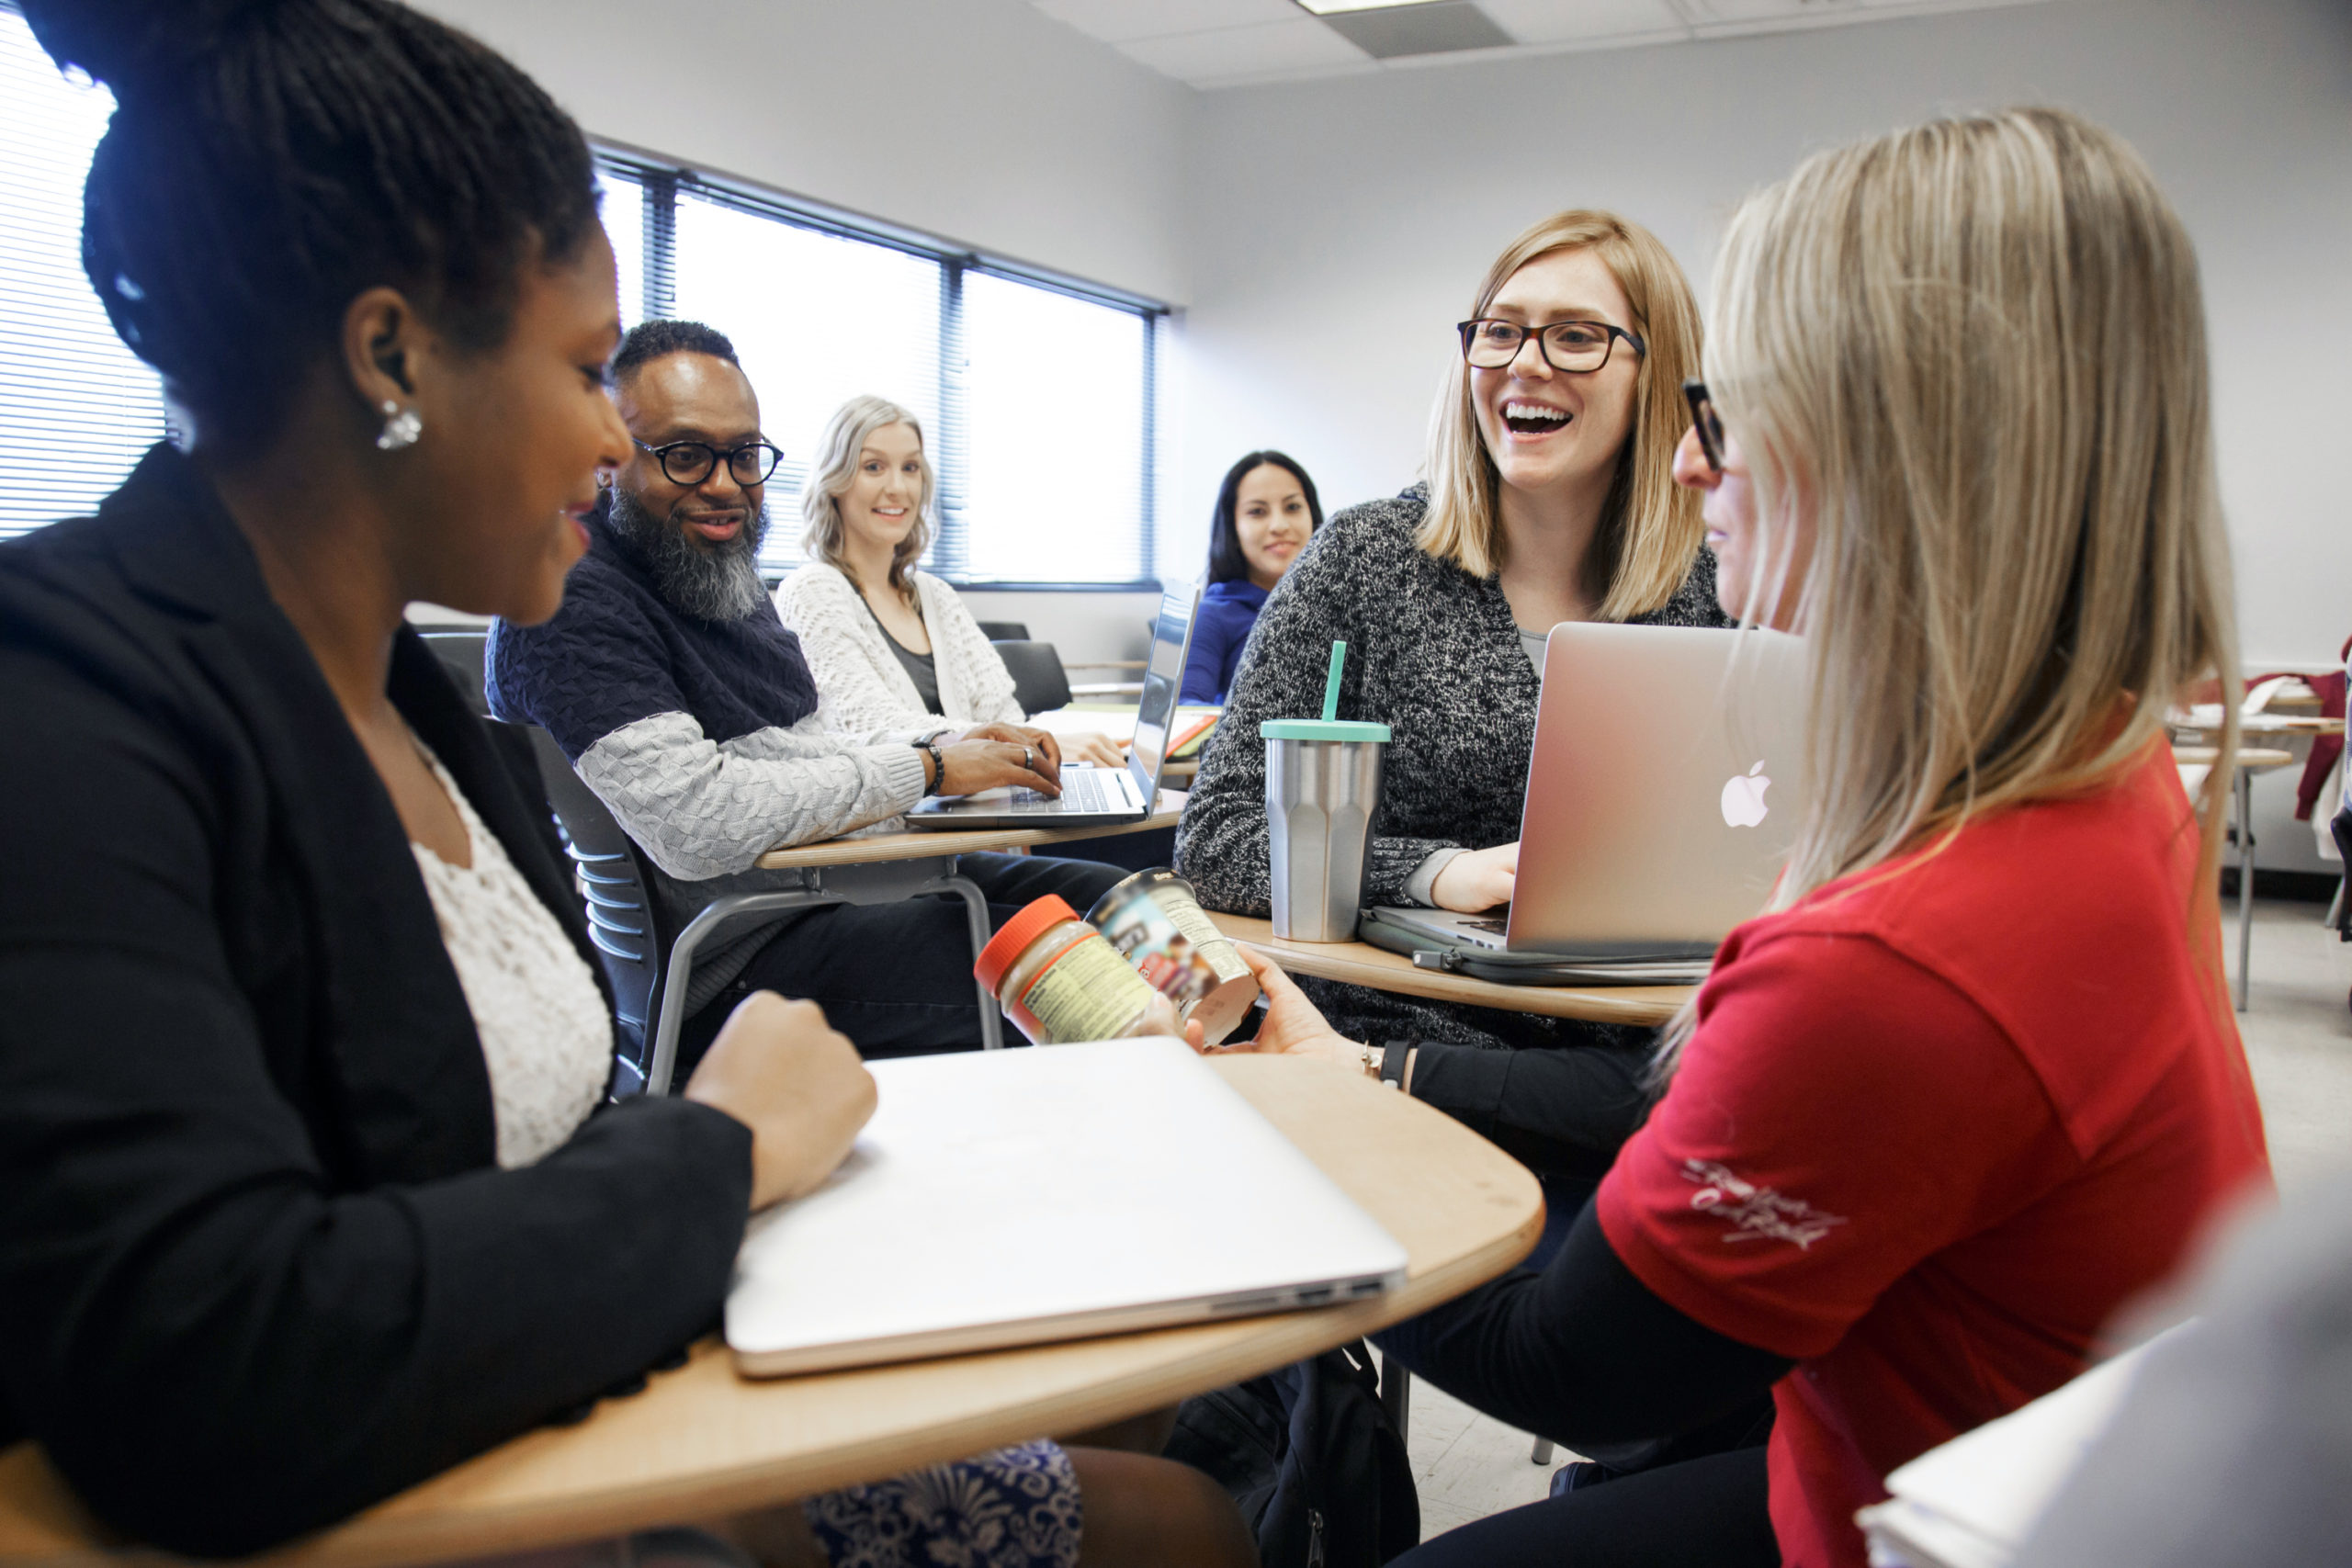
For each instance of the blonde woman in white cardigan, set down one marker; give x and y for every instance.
(892, 648)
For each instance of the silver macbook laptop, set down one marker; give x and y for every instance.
(1095, 795)
(1663, 796)
(1012, 1197)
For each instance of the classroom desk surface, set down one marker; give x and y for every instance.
(700, 1442)
(872, 848)
(2253, 758)
(2267, 723)
(1361, 964)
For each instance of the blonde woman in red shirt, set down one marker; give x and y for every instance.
(1972, 1082)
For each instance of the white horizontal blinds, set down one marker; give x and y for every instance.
(623, 209)
(1054, 405)
(817, 319)
(76, 408)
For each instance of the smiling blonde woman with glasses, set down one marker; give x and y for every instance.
(1549, 497)
(1973, 1083)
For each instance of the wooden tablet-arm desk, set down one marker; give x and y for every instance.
(701, 1443)
(1361, 964)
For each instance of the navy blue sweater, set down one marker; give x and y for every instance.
(618, 652)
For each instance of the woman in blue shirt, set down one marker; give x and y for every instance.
(1265, 511)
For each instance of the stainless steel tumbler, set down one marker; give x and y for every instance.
(1322, 794)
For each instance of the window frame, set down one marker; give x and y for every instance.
(663, 180)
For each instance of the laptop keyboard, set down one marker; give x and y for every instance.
(1083, 789)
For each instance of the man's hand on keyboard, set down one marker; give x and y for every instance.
(993, 755)
(1042, 744)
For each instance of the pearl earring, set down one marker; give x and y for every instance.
(402, 427)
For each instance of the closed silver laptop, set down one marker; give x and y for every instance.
(1663, 796)
(1095, 795)
(1007, 1198)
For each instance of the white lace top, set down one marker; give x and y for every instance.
(544, 1029)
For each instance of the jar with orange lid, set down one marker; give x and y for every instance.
(1058, 978)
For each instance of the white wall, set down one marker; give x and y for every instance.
(1337, 227)
(978, 121)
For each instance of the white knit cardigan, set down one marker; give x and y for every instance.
(861, 685)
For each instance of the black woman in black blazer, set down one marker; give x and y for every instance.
(247, 1149)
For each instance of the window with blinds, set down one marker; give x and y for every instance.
(1037, 396)
(76, 409)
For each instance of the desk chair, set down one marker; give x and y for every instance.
(618, 895)
(1039, 683)
(622, 921)
(461, 654)
(1004, 631)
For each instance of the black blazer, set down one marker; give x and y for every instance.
(257, 1265)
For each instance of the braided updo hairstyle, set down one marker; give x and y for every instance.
(270, 159)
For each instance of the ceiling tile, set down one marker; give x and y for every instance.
(1297, 43)
(1121, 21)
(1580, 21)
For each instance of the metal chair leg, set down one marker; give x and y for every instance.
(1543, 1452)
(671, 1015)
(976, 910)
(2335, 907)
(2245, 794)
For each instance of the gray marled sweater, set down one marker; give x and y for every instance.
(1432, 654)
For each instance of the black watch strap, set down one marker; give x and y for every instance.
(1392, 1062)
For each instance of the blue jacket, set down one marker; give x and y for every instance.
(1220, 632)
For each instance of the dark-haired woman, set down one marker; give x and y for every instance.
(305, 1189)
(1266, 510)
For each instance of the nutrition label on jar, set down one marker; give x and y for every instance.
(1087, 993)
(1201, 932)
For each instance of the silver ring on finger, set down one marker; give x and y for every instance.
(1024, 759)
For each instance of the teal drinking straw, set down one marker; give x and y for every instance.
(1331, 682)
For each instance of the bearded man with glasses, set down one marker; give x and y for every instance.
(689, 709)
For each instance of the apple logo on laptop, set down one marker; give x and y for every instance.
(1744, 798)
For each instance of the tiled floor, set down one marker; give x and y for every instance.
(2298, 1035)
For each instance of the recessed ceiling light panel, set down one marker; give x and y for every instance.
(1326, 7)
(1431, 27)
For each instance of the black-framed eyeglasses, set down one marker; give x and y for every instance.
(1704, 420)
(1580, 348)
(690, 462)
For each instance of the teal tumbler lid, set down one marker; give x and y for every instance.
(1322, 729)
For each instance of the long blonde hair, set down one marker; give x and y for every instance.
(1974, 352)
(836, 469)
(1649, 530)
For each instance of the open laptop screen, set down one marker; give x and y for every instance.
(1163, 678)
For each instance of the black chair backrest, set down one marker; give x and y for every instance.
(1004, 631)
(461, 654)
(613, 886)
(1039, 683)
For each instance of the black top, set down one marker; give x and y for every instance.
(1582, 1352)
(923, 668)
(257, 1267)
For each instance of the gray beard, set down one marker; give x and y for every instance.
(718, 584)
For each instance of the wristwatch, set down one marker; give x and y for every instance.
(1375, 1058)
